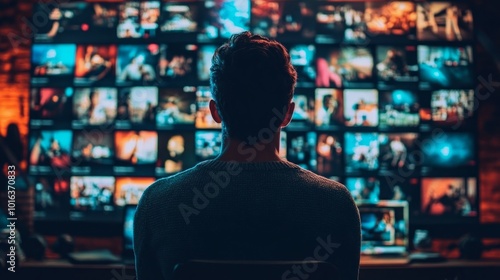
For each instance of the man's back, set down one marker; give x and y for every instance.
(246, 211)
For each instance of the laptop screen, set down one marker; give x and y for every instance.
(128, 228)
(384, 227)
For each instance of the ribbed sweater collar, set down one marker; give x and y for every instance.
(263, 165)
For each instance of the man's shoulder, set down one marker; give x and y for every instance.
(313, 180)
(183, 182)
(305, 182)
(174, 182)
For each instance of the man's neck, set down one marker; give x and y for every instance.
(240, 151)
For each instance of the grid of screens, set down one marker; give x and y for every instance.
(384, 102)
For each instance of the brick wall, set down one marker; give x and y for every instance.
(14, 87)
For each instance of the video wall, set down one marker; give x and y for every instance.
(384, 102)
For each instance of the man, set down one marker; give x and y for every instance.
(248, 203)
(325, 115)
(138, 70)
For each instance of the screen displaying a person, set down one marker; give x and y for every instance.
(393, 65)
(449, 197)
(343, 67)
(329, 150)
(362, 151)
(51, 148)
(94, 106)
(95, 65)
(364, 189)
(444, 21)
(50, 29)
(329, 107)
(137, 105)
(91, 193)
(378, 227)
(176, 107)
(224, 17)
(137, 70)
(136, 147)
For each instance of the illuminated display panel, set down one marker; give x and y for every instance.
(384, 100)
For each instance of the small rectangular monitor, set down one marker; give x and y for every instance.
(52, 196)
(341, 23)
(329, 108)
(444, 21)
(399, 152)
(180, 17)
(445, 67)
(136, 147)
(361, 152)
(75, 21)
(176, 108)
(301, 149)
(92, 193)
(129, 190)
(53, 64)
(222, 18)
(329, 150)
(361, 107)
(449, 109)
(284, 20)
(94, 106)
(399, 109)
(364, 189)
(50, 151)
(138, 64)
(175, 153)
(384, 227)
(136, 107)
(92, 149)
(344, 67)
(449, 197)
(207, 144)
(50, 107)
(391, 21)
(95, 65)
(396, 66)
(138, 20)
(448, 153)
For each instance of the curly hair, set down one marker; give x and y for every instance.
(251, 77)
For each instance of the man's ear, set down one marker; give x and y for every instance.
(289, 114)
(214, 112)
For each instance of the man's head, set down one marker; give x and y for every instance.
(252, 82)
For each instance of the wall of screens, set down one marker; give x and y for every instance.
(384, 102)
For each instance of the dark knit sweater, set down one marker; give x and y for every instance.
(245, 211)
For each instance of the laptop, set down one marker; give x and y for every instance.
(384, 232)
(128, 234)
